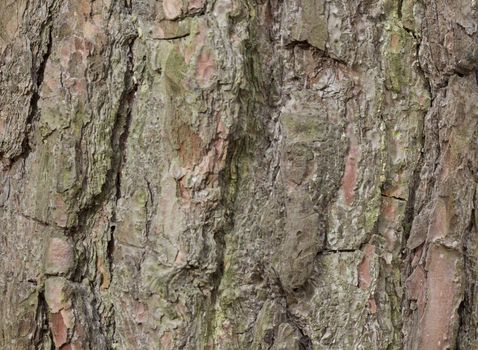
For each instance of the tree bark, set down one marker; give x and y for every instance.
(238, 174)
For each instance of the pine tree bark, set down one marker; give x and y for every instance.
(238, 174)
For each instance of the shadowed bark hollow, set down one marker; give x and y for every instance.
(238, 174)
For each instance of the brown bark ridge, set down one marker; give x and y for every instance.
(238, 174)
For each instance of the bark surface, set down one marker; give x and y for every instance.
(238, 174)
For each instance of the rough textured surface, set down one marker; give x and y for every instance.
(238, 174)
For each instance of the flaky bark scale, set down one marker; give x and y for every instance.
(238, 174)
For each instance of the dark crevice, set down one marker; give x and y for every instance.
(394, 197)
(110, 247)
(305, 45)
(150, 210)
(110, 190)
(38, 221)
(216, 280)
(411, 210)
(119, 144)
(38, 72)
(42, 329)
(464, 305)
(119, 135)
(415, 182)
(124, 120)
(129, 99)
(305, 341)
(112, 185)
(399, 9)
(349, 250)
(176, 37)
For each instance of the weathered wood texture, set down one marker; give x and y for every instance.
(238, 174)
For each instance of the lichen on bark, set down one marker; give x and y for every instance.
(238, 174)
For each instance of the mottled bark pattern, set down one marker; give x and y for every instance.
(238, 174)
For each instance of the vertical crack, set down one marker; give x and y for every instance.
(38, 72)
(42, 329)
(305, 342)
(123, 123)
(410, 211)
(110, 191)
(399, 9)
(120, 136)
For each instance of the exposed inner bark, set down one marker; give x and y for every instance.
(238, 174)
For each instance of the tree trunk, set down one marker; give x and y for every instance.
(238, 174)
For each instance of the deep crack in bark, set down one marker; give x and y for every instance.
(37, 80)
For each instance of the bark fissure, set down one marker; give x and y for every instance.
(42, 328)
(174, 37)
(394, 197)
(119, 136)
(411, 210)
(38, 72)
(38, 221)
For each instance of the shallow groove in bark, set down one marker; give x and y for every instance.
(228, 200)
(216, 282)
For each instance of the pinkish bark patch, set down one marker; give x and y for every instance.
(61, 211)
(444, 294)
(205, 68)
(167, 340)
(372, 305)
(349, 180)
(172, 8)
(415, 288)
(197, 43)
(364, 268)
(58, 329)
(195, 5)
(440, 223)
(60, 256)
(56, 294)
(190, 147)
